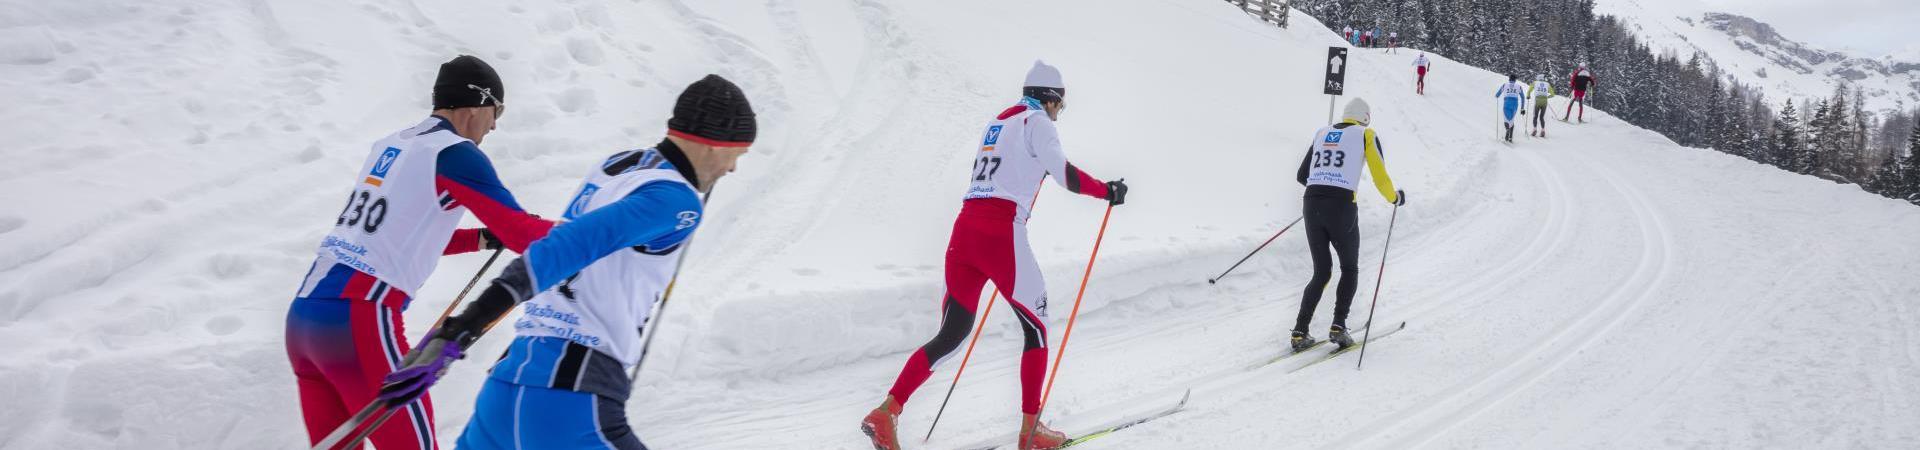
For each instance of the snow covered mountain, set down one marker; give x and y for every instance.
(170, 167)
(1753, 53)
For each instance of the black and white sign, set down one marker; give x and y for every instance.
(1336, 70)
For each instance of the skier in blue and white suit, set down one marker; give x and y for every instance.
(1510, 95)
(588, 287)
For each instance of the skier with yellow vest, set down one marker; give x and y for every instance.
(1331, 173)
(1541, 91)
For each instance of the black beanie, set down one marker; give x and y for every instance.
(715, 112)
(467, 81)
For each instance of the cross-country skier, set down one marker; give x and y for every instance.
(1346, 33)
(1581, 80)
(1393, 42)
(343, 329)
(563, 383)
(1019, 149)
(1541, 91)
(1510, 95)
(1332, 218)
(1420, 65)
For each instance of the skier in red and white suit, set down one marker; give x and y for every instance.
(1018, 150)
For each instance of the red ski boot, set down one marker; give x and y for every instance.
(880, 425)
(1036, 436)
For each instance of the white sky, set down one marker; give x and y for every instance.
(1869, 28)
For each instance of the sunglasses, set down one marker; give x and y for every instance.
(486, 95)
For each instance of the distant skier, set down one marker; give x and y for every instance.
(1378, 36)
(343, 329)
(563, 382)
(1420, 70)
(1581, 80)
(1020, 149)
(1393, 42)
(1510, 95)
(1366, 38)
(1346, 33)
(1332, 219)
(1541, 91)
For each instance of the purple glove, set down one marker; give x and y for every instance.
(419, 371)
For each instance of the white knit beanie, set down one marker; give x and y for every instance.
(1357, 111)
(1043, 83)
(1043, 75)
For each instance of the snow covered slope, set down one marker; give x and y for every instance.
(169, 168)
(1753, 53)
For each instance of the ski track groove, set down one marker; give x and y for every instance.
(1478, 394)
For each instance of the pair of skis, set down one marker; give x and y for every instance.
(1111, 428)
(1107, 429)
(1367, 339)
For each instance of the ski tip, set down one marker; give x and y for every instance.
(1183, 399)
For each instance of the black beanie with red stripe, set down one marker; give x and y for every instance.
(715, 112)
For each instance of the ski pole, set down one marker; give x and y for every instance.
(368, 431)
(1376, 287)
(339, 433)
(982, 326)
(334, 438)
(388, 413)
(662, 308)
(469, 288)
(1075, 315)
(963, 364)
(1256, 250)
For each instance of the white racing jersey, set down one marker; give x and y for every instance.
(1018, 149)
(394, 226)
(604, 305)
(1337, 153)
(1512, 91)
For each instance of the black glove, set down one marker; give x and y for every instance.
(1400, 198)
(1117, 192)
(490, 242)
(507, 290)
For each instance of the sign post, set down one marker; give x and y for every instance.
(1336, 84)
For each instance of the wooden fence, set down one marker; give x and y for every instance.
(1271, 11)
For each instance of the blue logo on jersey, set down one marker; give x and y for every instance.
(993, 135)
(385, 163)
(579, 205)
(1333, 137)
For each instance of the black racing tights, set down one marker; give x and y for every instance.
(1332, 222)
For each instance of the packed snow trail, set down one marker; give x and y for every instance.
(171, 168)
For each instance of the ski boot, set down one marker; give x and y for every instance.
(1036, 436)
(1338, 336)
(879, 425)
(1302, 341)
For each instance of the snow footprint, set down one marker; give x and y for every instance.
(576, 100)
(229, 266)
(224, 325)
(10, 223)
(585, 51)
